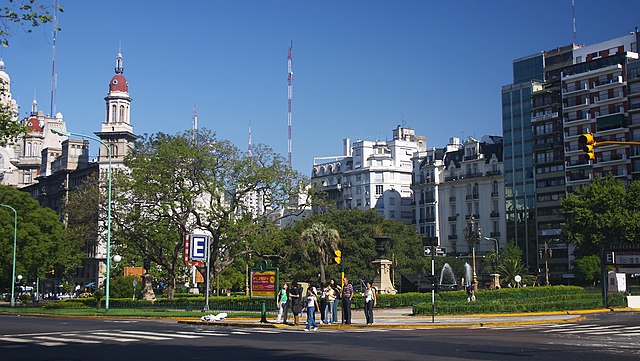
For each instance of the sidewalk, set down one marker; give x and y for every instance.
(402, 318)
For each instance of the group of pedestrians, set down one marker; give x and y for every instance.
(324, 300)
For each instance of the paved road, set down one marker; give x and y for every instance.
(598, 337)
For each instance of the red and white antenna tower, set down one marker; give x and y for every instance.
(289, 94)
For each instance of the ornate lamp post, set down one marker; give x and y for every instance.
(13, 272)
(473, 234)
(546, 253)
(55, 131)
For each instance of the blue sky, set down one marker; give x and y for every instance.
(360, 67)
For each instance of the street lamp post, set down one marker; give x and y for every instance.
(13, 273)
(546, 253)
(55, 131)
(473, 234)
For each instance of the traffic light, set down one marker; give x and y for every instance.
(587, 143)
(337, 256)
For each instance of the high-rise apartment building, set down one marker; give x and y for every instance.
(594, 96)
(520, 203)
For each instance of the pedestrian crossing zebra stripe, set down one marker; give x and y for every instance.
(62, 339)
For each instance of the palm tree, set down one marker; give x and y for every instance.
(511, 267)
(320, 240)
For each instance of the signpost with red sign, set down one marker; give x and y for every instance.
(265, 283)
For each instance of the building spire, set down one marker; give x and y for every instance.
(119, 68)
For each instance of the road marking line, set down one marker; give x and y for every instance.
(172, 335)
(51, 344)
(65, 340)
(106, 336)
(13, 339)
(239, 333)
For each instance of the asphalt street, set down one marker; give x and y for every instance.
(597, 337)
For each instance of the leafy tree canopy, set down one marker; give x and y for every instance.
(40, 242)
(603, 212)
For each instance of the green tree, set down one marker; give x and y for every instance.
(512, 267)
(26, 15)
(601, 213)
(587, 269)
(177, 185)
(320, 241)
(357, 229)
(40, 243)
(23, 14)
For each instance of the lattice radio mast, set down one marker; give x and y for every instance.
(289, 95)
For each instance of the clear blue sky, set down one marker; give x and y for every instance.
(360, 67)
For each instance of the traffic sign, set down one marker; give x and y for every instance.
(198, 247)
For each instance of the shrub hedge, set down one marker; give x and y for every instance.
(526, 299)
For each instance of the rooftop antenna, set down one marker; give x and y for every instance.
(289, 96)
(54, 76)
(573, 17)
(195, 125)
(250, 144)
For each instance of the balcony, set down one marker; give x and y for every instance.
(574, 106)
(493, 173)
(452, 199)
(452, 218)
(495, 214)
(473, 175)
(430, 219)
(469, 196)
(494, 194)
(612, 158)
(494, 234)
(572, 90)
(610, 83)
(452, 236)
(450, 178)
(430, 200)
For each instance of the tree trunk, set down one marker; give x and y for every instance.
(322, 277)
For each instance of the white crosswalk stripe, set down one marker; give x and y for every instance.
(577, 329)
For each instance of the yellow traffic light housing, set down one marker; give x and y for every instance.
(587, 143)
(337, 256)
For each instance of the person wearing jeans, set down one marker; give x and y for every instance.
(312, 304)
(330, 294)
(369, 302)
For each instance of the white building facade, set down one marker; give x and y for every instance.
(456, 185)
(373, 175)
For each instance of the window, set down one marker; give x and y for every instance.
(392, 201)
(122, 113)
(379, 190)
(113, 113)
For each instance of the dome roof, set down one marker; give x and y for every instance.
(34, 125)
(118, 84)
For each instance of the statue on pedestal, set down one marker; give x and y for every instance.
(382, 280)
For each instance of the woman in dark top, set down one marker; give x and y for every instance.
(296, 302)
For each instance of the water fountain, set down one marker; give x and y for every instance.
(447, 278)
(468, 274)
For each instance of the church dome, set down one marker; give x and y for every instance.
(118, 84)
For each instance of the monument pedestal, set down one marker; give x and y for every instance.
(382, 281)
(495, 281)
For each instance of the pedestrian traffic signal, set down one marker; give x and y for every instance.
(587, 143)
(337, 256)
